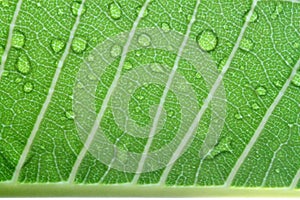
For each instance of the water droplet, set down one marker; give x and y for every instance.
(165, 27)
(156, 67)
(18, 80)
(39, 4)
(255, 106)
(224, 145)
(115, 10)
(207, 40)
(79, 45)
(23, 64)
(261, 91)
(144, 40)
(278, 10)
(277, 170)
(28, 87)
(18, 39)
(57, 45)
(238, 116)
(127, 65)
(138, 9)
(296, 79)
(278, 83)
(115, 51)
(246, 44)
(70, 114)
(253, 17)
(75, 8)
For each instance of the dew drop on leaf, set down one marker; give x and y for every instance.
(127, 65)
(165, 27)
(115, 10)
(79, 45)
(144, 40)
(115, 51)
(246, 44)
(18, 39)
(28, 87)
(57, 45)
(296, 79)
(75, 7)
(207, 40)
(70, 114)
(261, 91)
(23, 64)
(238, 116)
(255, 106)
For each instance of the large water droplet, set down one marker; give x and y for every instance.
(75, 7)
(115, 51)
(70, 114)
(144, 40)
(296, 79)
(115, 10)
(28, 87)
(246, 44)
(79, 45)
(23, 64)
(165, 27)
(207, 40)
(18, 39)
(261, 91)
(57, 45)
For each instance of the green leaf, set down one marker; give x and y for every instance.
(176, 93)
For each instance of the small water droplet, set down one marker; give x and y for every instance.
(156, 67)
(165, 27)
(261, 91)
(255, 106)
(138, 9)
(57, 45)
(278, 83)
(18, 39)
(144, 40)
(246, 44)
(115, 10)
(28, 87)
(39, 4)
(70, 114)
(75, 8)
(115, 51)
(277, 170)
(79, 45)
(253, 17)
(296, 79)
(23, 64)
(18, 80)
(238, 116)
(127, 65)
(207, 40)
(277, 11)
